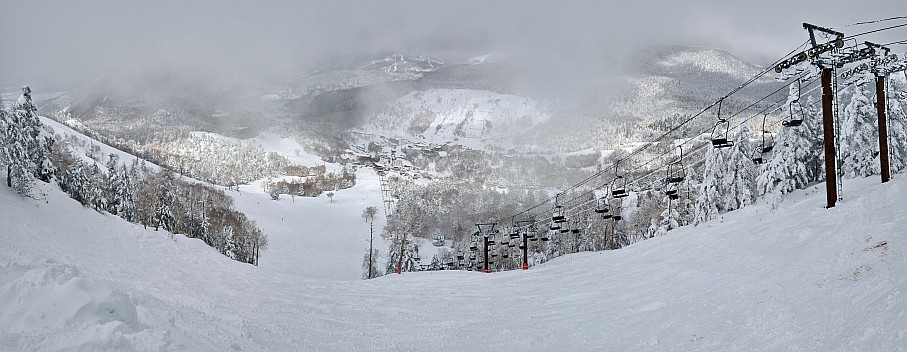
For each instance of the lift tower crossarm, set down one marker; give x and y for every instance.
(882, 47)
(817, 49)
(812, 35)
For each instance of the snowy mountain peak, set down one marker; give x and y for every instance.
(399, 62)
(711, 60)
(445, 115)
(684, 58)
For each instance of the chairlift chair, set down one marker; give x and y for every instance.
(767, 144)
(671, 191)
(616, 208)
(795, 109)
(619, 187)
(720, 134)
(721, 130)
(796, 114)
(558, 218)
(676, 173)
(601, 206)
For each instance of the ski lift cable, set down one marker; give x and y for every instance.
(654, 171)
(899, 42)
(690, 119)
(681, 124)
(875, 31)
(586, 206)
(672, 150)
(766, 70)
(870, 22)
(768, 109)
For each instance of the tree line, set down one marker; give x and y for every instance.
(131, 190)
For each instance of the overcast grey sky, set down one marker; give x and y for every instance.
(57, 43)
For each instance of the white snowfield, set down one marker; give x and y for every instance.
(801, 278)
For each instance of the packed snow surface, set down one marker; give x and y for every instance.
(797, 278)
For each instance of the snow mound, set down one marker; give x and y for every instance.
(80, 313)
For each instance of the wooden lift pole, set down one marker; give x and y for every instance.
(525, 251)
(485, 269)
(883, 128)
(828, 125)
(486, 230)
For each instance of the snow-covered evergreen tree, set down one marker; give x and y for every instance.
(37, 143)
(205, 227)
(410, 253)
(740, 175)
(859, 133)
(711, 188)
(797, 156)
(6, 138)
(897, 125)
(164, 204)
(76, 181)
(373, 265)
(123, 195)
(96, 188)
(672, 216)
(19, 166)
(114, 185)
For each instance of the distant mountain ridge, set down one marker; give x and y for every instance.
(656, 84)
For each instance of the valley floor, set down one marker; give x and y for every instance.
(797, 278)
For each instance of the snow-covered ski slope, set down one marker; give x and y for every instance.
(800, 278)
(317, 238)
